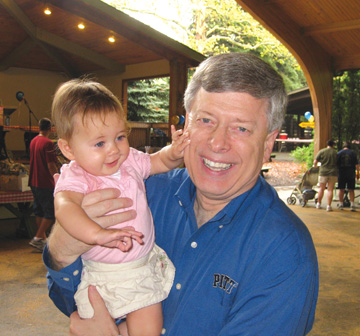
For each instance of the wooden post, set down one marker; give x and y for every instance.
(178, 82)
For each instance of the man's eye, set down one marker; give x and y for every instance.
(242, 129)
(100, 144)
(205, 120)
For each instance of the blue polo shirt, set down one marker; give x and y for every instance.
(251, 270)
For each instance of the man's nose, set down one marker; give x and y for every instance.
(219, 140)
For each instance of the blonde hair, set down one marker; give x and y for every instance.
(85, 98)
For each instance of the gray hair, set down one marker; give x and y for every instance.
(240, 72)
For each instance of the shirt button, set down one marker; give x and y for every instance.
(221, 226)
(66, 279)
(194, 244)
(163, 331)
(178, 286)
(180, 203)
(75, 273)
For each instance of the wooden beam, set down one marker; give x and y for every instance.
(17, 54)
(75, 49)
(44, 38)
(346, 62)
(15, 11)
(106, 16)
(313, 59)
(31, 30)
(332, 27)
(178, 83)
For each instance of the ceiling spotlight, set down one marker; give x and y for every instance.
(111, 39)
(81, 26)
(47, 11)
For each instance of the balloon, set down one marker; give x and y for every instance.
(311, 119)
(175, 120)
(182, 120)
(307, 115)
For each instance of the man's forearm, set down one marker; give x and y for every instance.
(63, 248)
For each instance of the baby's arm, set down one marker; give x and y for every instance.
(74, 220)
(171, 156)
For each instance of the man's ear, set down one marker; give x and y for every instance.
(65, 149)
(186, 120)
(269, 144)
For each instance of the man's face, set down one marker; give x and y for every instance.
(229, 143)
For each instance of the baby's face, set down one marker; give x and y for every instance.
(100, 146)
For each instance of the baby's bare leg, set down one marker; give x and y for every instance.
(147, 321)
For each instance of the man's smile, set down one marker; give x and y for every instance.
(216, 166)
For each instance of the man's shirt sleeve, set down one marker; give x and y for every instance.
(62, 285)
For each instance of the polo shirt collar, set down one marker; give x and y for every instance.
(186, 196)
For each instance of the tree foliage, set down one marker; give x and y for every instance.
(148, 100)
(221, 26)
(346, 108)
(212, 27)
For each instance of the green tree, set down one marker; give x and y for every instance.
(216, 26)
(346, 108)
(148, 100)
(221, 26)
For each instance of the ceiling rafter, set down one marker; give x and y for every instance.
(332, 27)
(136, 31)
(45, 38)
(17, 54)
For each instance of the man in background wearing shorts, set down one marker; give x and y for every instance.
(43, 165)
(327, 173)
(347, 162)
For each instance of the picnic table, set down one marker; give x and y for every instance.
(19, 203)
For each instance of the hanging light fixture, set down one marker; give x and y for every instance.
(111, 39)
(81, 25)
(47, 9)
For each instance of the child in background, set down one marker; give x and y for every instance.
(132, 278)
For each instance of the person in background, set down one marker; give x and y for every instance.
(347, 164)
(327, 173)
(43, 166)
(245, 263)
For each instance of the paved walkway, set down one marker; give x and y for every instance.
(336, 236)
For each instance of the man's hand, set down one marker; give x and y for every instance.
(65, 249)
(101, 324)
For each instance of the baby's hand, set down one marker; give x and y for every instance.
(180, 141)
(119, 238)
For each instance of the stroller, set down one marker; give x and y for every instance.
(304, 190)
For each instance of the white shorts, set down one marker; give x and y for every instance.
(126, 287)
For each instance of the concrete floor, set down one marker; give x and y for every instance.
(27, 310)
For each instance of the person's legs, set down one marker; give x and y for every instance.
(330, 194)
(352, 195)
(43, 224)
(44, 215)
(341, 196)
(146, 321)
(320, 194)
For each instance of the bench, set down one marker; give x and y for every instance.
(264, 170)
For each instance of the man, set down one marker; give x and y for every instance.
(327, 173)
(245, 264)
(347, 163)
(43, 166)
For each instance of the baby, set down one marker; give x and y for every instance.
(132, 278)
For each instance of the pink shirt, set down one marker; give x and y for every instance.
(130, 181)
